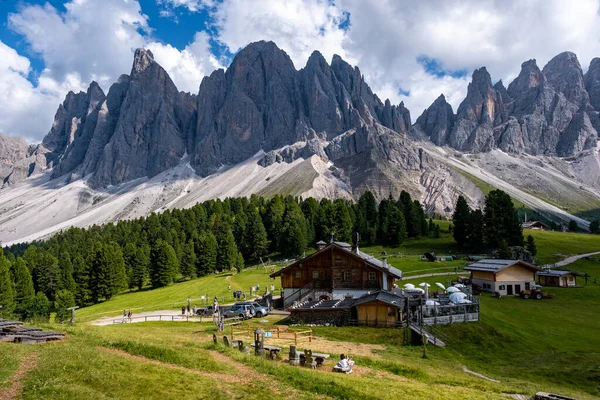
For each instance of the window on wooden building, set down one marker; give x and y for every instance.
(298, 274)
(347, 275)
(502, 287)
(372, 276)
(315, 274)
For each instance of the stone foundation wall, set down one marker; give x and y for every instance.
(317, 317)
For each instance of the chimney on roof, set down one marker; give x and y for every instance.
(384, 259)
(321, 244)
(355, 240)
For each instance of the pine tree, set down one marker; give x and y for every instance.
(24, 292)
(476, 235)
(273, 220)
(130, 258)
(396, 226)
(530, 245)
(342, 220)
(504, 251)
(239, 262)
(501, 220)
(118, 276)
(460, 220)
(99, 281)
(40, 307)
(293, 242)
(66, 268)
(7, 294)
(206, 253)
(163, 264)
(255, 243)
(226, 250)
(367, 218)
(140, 266)
(310, 209)
(188, 261)
(573, 227)
(64, 299)
(595, 227)
(46, 273)
(419, 220)
(81, 275)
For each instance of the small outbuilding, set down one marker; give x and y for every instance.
(507, 277)
(535, 225)
(557, 278)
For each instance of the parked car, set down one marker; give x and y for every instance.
(205, 311)
(261, 310)
(240, 310)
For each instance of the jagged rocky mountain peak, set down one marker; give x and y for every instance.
(142, 60)
(530, 77)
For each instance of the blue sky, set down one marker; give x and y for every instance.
(408, 50)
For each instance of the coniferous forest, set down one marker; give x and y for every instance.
(84, 266)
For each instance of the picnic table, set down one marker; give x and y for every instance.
(319, 358)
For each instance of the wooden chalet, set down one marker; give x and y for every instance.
(336, 271)
(557, 278)
(507, 277)
(535, 225)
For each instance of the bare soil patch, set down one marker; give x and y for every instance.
(16, 387)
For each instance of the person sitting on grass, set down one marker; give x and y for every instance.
(345, 364)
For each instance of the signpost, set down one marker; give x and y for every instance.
(73, 314)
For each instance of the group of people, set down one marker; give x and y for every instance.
(127, 315)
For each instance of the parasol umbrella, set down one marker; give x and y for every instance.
(440, 286)
(452, 289)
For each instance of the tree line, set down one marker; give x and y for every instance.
(496, 227)
(84, 266)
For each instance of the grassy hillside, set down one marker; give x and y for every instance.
(526, 345)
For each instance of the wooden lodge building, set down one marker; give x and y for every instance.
(336, 271)
(557, 278)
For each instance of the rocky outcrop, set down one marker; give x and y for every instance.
(592, 83)
(149, 135)
(12, 149)
(545, 111)
(436, 122)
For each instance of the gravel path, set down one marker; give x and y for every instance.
(570, 260)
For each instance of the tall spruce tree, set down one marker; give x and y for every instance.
(81, 275)
(163, 264)
(130, 258)
(367, 218)
(476, 231)
(7, 294)
(595, 227)
(460, 220)
(188, 261)
(273, 220)
(255, 242)
(530, 245)
(46, 273)
(501, 220)
(342, 220)
(206, 253)
(24, 292)
(64, 299)
(118, 275)
(40, 308)
(226, 250)
(140, 266)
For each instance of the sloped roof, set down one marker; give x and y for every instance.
(495, 265)
(554, 272)
(379, 295)
(372, 261)
(383, 296)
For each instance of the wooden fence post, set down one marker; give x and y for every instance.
(277, 332)
(310, 337)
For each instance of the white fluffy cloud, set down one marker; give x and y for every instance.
(94, 39)
(297, 26)
(386, 37)
(188, 66)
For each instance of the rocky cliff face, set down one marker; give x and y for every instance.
(144, 126)
(543, 112)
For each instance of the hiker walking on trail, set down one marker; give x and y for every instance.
(183, 310)
(124, 315)
(129, 314)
